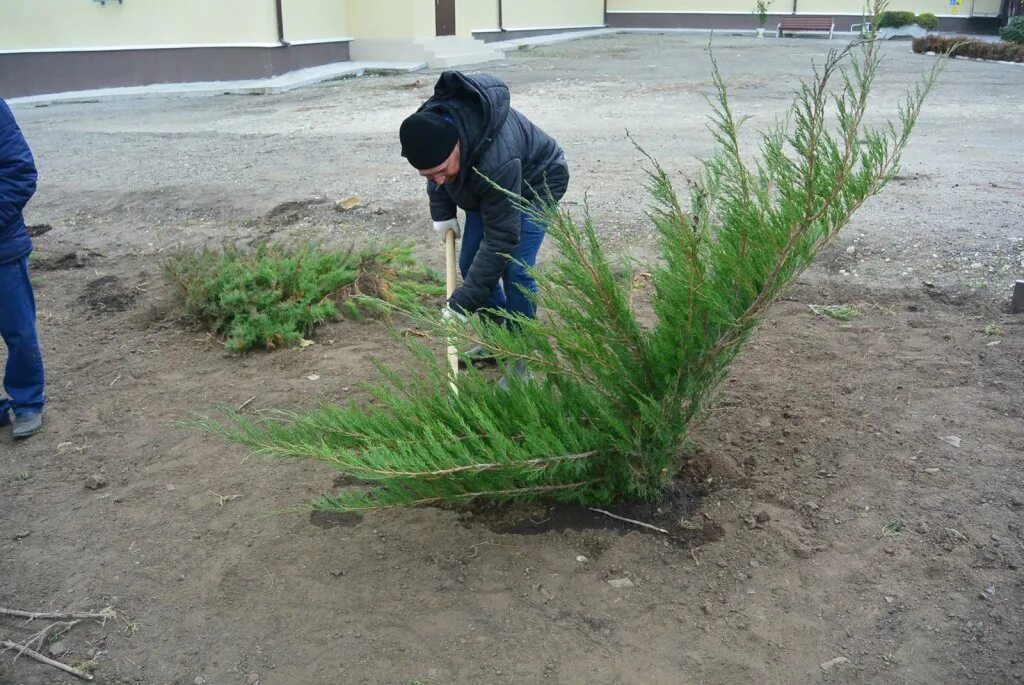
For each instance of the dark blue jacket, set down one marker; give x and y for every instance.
(499, 146)
(17, 185)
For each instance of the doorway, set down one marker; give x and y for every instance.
(444, 17)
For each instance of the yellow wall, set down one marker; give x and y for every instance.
(315, 19)
(475, 15)
(63, 24)
(681, 5)
(939, 8)
(986, 7)
(849, 7)
(424, 20)
(390, 18)
(855, 7)
(78, 24)
(528, 14)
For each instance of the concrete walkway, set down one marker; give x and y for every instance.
(270, 86)
(551, 39)
(284, 82)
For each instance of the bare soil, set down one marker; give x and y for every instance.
(823, 510)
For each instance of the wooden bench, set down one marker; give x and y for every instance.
(806, 25)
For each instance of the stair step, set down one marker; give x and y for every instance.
(454, 60)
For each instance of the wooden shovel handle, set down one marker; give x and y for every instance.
(450, 283)
(449, 262)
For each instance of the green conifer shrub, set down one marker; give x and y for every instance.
(606, 417)
(1013, 32)
(927, 21)
(274, 296)
(895, 19)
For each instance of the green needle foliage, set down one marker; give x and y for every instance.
(274, 296)
(607, 415)
(840, 312)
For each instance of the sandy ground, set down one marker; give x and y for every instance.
(834, 520)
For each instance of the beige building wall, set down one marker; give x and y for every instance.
(315, 20)
(852, 7)
(836, 7)
(940, 8)
(82, 24)
(423, 18)
(681, 6)
(988, 8)
(377, 19)
(533, 14)
(475, 15)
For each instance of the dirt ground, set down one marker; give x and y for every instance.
(837, 517)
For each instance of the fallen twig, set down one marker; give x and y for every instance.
(47, 660)
(245, 404)
(224, 498)
(476, 550)
(103, 615)
(634, 522)
(37, 640)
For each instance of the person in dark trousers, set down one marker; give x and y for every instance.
(474, 149)
(23, 376)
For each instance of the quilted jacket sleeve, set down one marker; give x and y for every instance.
(17, 170)
(442, 206)
(502, 221)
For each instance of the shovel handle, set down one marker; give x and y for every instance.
(450, 282)
(449, 262)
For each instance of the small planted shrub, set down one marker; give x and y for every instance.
(927, 21)
(1013, 32)
(959, 46)
(891, 19)
(275, 296)
(761, 10)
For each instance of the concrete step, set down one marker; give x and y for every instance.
(449, 40)
(438, 53)
(452, 51)
(445, 61)
(390, 67)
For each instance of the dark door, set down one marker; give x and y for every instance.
(444, 17)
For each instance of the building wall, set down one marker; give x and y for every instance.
(680, 6)
(315, 20)
(81, 24)
(475, 15)
(424, 24)
(534, 14)
(940, 8)
(963, 16)
(64, 24)
(837, 7)
(52, 46)
(391, 19)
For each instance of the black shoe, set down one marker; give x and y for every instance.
(27, 424)
(5, 418)
(479, 356)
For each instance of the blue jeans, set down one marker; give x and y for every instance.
(509, 298)
(23, 378)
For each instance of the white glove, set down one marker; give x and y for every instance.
(447, 314)
(442, 227)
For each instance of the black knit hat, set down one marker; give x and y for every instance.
(427, 139)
